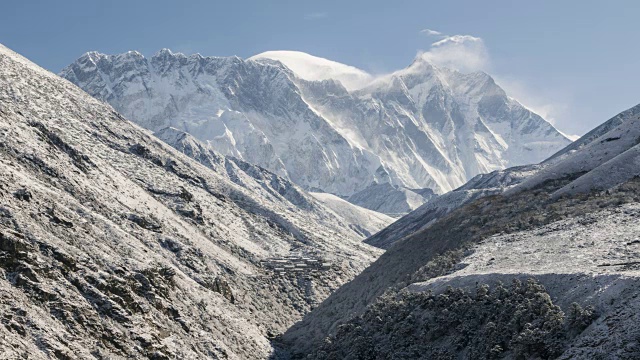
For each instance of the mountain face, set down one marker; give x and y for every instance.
(270, 187)
(326, 126)
(115, 245)
(537, 261)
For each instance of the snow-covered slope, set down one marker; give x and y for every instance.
(115, 245)
(605, 161)
(391, 199)
(365, 221)
(298, 116)
(597, 132)
(270, 187)
(426, 215)
(564, 290)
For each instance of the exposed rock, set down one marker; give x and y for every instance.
(23, 194)
(57, 220)
(145, 222)
(221, 286)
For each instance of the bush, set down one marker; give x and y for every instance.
(580, 318)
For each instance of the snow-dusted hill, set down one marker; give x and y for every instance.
(115, 245)
(327, 126)
(604, 162)
(538, 261)
(439, 206)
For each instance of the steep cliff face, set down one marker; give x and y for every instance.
(115, 245)
(326, 126)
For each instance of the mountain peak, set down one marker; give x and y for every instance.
(91, 56)
(165, 54)
(421, 60)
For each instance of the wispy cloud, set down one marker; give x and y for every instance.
(429, 32)
(316, 15)
(543, 103)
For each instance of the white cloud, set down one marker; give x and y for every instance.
(465, 53)
(430, 32)
(316, 15)
(457, 40)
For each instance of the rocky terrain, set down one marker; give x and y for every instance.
(269, 187)
(539, 265)
(386, 143)
(115, 245)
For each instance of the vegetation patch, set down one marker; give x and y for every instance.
(518, 321)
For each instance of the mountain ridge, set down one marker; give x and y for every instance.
(420, 127)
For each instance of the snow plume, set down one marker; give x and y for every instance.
(542, 101)
(465, 53)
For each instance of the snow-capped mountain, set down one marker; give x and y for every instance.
(114, 244)
(327, 126)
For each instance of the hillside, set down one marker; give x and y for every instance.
(334, 212)
(115, 245)
(534, 272)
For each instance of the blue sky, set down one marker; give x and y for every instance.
(575, 62)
